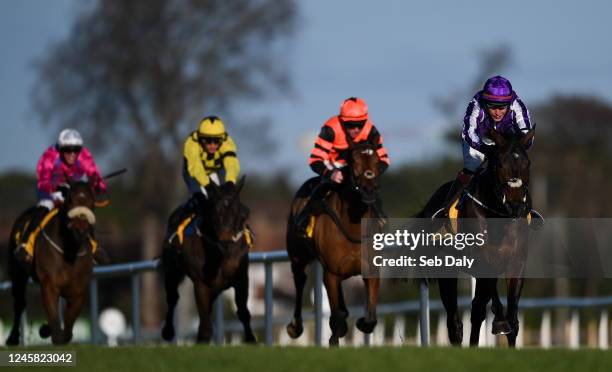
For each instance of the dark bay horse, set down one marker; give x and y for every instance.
(499, 198)
(63, 263)
(336, 241)
(215, 259)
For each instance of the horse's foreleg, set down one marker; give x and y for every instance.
(241, 296)
(172, 278)
(50, 297)
(204, 299)
(73, 309)
(295, 328)
(337, 322)
(515, 286)
(19, 286)
(500, 325)
(448, 295)
(367, 323)
(482, 295)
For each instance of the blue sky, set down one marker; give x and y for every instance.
(397, 55)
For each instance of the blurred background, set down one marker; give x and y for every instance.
(136, 76)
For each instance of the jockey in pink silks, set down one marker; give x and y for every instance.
(65, 161)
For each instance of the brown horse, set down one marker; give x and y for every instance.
(336, 241)
(215, 259)
(499, 200)
(63, 263)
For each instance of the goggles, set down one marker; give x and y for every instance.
(210, 140)
(496, 105)
(354, 124)
(71, 149)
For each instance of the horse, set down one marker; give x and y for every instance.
(62, 264)
(501, 193)
(335, 241)
(215, 259)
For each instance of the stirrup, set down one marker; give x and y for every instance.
(537, 220)
(435, 215)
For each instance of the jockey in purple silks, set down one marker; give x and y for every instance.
(495, 107)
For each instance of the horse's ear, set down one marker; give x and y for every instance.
(497, 138)
(240, 184)
(527, 137)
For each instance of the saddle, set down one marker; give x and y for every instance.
(29, 247)
(189, 227)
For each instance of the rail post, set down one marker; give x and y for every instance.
(269, 305)
(135, 278)
(94, 310)
(318, 303)
(424, 309)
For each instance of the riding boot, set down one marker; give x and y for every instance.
(37, 217)
(461, 183)
(194, 205)
(313, 206)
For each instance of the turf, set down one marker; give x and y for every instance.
(259, 358)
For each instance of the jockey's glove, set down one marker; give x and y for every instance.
(57, 196)
(208, 190)
(203, 190)
(63, 189)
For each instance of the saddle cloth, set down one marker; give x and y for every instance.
(32, 239)
(189, 227)
(453, 214)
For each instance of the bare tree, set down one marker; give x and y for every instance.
(135, 76)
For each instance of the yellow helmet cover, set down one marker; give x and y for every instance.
(211, 126)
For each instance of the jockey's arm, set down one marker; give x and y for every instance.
(381, 151)
(91, 170)
(229, 156)
(195, 168)
(522, 117)
(319, 155)
(44, 171)
(474, 115)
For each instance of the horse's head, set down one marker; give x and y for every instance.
(363, 168)
(228, 214)
(79, 206)
(510, 165)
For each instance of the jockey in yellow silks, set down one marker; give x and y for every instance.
(210, 156)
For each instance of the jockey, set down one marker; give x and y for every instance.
(330, 152)
(65, 161)
(209, 157)
(495, 107)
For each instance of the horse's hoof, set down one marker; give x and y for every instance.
(364, 326)
(168, 333)
(44, 331)
(250, 339)
(294, 329)
(334, 341)
(13, 339)
(501, 327)
(59, 340)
